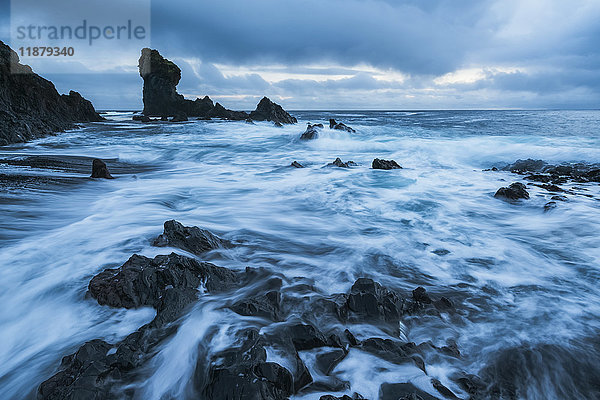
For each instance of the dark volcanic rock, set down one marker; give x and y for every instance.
(403, 391)
(141, 118)
(339, 163)
(167, 283)
(244, 373)
(100, 170)
(385, 164)
(142, 281)
(265, 306)
(513, 192)
(524, 166)
(311, 132)
(179, 117)
(30, 106)
(549, 206)
(368, 300)
(266, 110)
(296, 164)
(339, 126)
(161, 99)
(188, 238)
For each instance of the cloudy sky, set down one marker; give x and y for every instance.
(367, 54)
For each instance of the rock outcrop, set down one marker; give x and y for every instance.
(100, 170)
(266, 110)
(161, 99)
(340, 126)
(339, 163)
(31, 107)
(514, 191)
(385, 164)
(188, 238)
(311, 132)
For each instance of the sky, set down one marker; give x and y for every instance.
(362, 54)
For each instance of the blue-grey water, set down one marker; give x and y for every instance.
(525, 282)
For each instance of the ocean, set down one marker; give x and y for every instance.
(523, 281)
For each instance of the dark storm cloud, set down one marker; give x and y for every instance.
(371, 53)
(406, 37)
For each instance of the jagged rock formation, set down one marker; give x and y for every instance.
(161, 99)
(30, 106)
(266, 110)
(385, 164)
(100, 170)
(311, 132)
(514, 191)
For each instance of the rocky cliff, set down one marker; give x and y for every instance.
(161, 99)
(30, 106)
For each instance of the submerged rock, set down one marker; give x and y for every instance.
(266, 110)
(265, 306)
(549, 206)
(31, 107)
(188, 238)
(513, 192)
(340, 126)
(311, 132)
(339, 163)
(100, 170)
(296, 164)
(385, 164)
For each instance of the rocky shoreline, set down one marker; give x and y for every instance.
(30, 106)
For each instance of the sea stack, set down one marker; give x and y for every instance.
(31, 107)
(161, 99)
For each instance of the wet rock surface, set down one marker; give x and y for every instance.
(31, 107)
(188, 238)
(311, 132)
(339, 163)
(514, 191)
(340, 126)
(100, 170)
(385, 164)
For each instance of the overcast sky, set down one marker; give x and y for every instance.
(368, 54)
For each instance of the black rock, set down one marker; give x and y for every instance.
(180, 116)
(524, 166)
(250, 122)
(443, 390)
(311, 132)
(141, 118)
(188, 238)
(339, 163)
(31, 107)
(403, 391)
(244, 373)
(100, 170)
(265, 306)
(306, 337)
(296, 164)
(368, 300)
(549, 206)
(142, 281)
(559, 198)
(339, 126)
(513, 192)
(420, 295)
(160, 96)
(266, 110)
(385, 164)
(327, 361)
